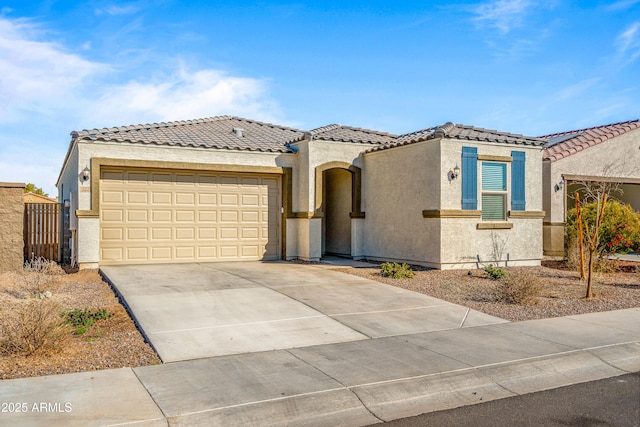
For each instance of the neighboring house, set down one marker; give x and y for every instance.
(228, 188)
(603, 153)
(37, 198)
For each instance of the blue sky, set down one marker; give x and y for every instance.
(531, 67)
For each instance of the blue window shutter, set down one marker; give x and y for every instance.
(517, 181)
(469, 178)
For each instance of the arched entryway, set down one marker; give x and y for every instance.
(338, 202)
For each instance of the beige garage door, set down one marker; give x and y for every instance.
(163, 216)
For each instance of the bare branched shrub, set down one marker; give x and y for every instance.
(36, 326)
(519, 287)
(39, 274)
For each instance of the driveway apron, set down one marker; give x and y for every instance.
(191, 311)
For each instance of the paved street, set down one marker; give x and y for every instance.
(609, 402)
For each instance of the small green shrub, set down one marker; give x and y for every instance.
(396, 271)
(519, 287)
(83, 319)
(495, 273)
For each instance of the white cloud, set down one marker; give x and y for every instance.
(502, 14)
(36, 75)
(184, 95)
(628, 42)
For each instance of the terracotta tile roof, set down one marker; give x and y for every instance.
(563, 144)
(221, 132)
(469, 133)
(351, 134)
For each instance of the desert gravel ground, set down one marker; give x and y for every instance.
(111, 343)
(562, 292)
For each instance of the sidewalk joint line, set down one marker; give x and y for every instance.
(338, 381)
(355, 313)
(464, 319)
(238, 324)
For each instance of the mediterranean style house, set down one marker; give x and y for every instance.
(228, 188)
(609, 153)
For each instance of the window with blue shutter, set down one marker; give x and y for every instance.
(517, 181)
(494, 191)
(469, 178)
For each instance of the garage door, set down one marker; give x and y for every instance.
(163, 216)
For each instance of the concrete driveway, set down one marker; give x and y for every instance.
(191, 311)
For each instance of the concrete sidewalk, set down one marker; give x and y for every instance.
(349, 383)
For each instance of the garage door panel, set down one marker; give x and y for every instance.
(137, 233)
(160, 178)
(137, 177)
(207, 199)
(160, 198)
(250, 200)
(207, 252)
(207, 216)
(109, 197)
(137, 215)
(112, 215)
(152, 216)
(161, 253)
(185, 234)
(250, 217)
(185, 252)
(228, 199)
(161, 216)
(137, 253)
(158, 233)
(226, 181)
(112, 234)
(185, 216)
(139, 197)
(112, 254)
(228, 233)
(207, 180)
(185, 179)
(250, 233)
(229, 216)
(207, 233)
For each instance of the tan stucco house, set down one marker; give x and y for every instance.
(227, 188)
(603, 153)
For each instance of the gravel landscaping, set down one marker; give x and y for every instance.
(111, 343)
(561, 290)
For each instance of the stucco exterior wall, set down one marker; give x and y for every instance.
(464, 246)
(617, 157)
(402, 182)
(398, 184)
(11, 226)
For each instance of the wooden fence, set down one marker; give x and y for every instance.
(42, 231)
